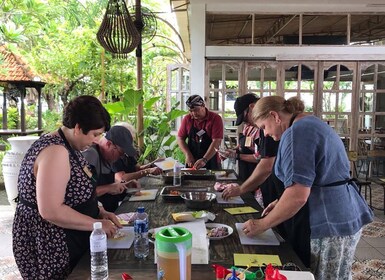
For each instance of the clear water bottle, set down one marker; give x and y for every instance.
(98, 248)
(141, 245)
(177, 178)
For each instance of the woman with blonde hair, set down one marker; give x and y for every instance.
(318, 199)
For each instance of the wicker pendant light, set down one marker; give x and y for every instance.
(117, 33)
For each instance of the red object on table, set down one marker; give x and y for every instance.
(272, 273)
(126, 276)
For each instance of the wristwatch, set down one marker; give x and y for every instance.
(204, 159)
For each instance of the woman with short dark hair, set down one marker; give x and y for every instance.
(57, 203)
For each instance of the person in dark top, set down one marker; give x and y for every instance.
(127, 168)
(246, 152)
(203, 130)
(117, 143)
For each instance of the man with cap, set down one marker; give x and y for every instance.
(203, 130)
(115, 144)
(246, 153)
(265, 150)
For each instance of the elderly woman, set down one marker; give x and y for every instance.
(319, 201)
(57, 203)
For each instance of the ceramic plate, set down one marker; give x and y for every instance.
(210, 226)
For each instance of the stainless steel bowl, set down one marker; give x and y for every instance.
(198, 200)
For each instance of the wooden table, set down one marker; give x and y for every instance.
(221, 251)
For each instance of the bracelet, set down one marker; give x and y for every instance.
(204, 159)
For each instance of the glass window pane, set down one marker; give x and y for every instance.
(215, 76)
(215, 100)
(308, 99)
(270, 78)
(344, 102)
(175, 79)
(254, 77)
(329, 102)
(185, 79)
(380, 123)
(230, 100)
(381, 77)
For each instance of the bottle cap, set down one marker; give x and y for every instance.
(140, 209)
(97, 225)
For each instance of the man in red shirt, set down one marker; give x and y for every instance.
(204, 133)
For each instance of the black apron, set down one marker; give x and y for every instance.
(297, 228)
(110, 202)
(77, 240)
(245, 168)
(199, 145)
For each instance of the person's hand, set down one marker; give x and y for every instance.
(190, 160)
(109, 227)
(228, 153)
(154, 171)
(133, 184)
(230, 191)
(269, 207)
(117, 188)
(119, 175)
(253, 227)
(199, 163)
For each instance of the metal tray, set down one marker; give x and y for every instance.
(172, 194)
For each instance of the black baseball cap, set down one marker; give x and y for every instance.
(121, 136)
(241, 104)
(195, 100)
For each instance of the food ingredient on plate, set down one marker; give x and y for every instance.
(119, 235)
(217, 232)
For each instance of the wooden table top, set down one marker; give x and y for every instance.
(159, 211)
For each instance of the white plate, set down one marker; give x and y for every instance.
(215, 225)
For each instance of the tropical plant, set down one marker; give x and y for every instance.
(158, 140)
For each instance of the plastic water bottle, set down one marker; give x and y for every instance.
(177, 179)
(141, 246)
(98, 248)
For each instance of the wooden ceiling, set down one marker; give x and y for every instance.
(232, 29)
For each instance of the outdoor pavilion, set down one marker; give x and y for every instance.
(15, 79)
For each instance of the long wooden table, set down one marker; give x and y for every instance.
(221, 251)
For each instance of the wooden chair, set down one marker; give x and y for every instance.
(353, 157)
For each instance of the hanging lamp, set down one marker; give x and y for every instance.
(117, 33)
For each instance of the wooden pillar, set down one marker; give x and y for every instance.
(39, 109)
(22, 109)
(5, 116)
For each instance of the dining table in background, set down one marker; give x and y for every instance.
(221, 252)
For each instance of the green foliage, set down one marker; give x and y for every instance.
(51, 121)
(13, 117)
(158, 140)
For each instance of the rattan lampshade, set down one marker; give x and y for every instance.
(117, 33)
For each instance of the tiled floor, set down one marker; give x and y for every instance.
(370, 253)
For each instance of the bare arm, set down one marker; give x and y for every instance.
(52, 172)
(259, 175)
(211, 151)
(291, 201)
(261, 172)
(190, 160)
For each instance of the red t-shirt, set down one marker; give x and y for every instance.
(212, 124)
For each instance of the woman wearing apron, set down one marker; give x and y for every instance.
(57, 205)
(312, 164)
